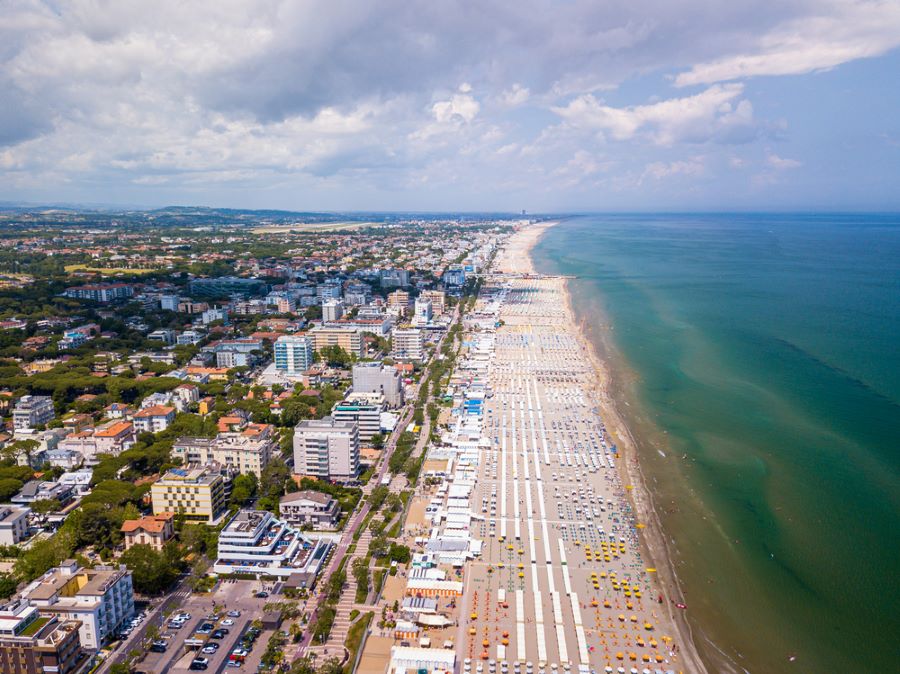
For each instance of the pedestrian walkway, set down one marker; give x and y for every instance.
(347, 602)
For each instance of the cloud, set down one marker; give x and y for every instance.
(713, 114)
(515, 96)
(659, 170)
(461, 106)
(353, 97)
(780, 163)
(844, 31)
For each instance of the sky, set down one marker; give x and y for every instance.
(569, 105)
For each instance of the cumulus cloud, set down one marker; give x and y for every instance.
(354, 95)
(461, 106)
(514, 96)
(715, 113)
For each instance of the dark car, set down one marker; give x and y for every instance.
(205, 628)
(262, 595)
(158, 647)
(219, 633)
(199, 664)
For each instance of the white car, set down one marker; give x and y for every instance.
(228, 622)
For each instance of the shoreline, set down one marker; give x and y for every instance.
(653, 540)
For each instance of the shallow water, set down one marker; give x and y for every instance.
(759, 358)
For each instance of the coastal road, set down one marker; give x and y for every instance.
(360, 516)
(350, 531)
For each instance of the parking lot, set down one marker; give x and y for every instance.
(230, 596)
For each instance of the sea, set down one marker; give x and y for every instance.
(756, 359)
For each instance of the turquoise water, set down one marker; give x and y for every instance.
(758, 357)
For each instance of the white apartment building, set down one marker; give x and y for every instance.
(293, 354)
(363, 409)
(408, 344)
(373, 378)
(422, 312)
(332, 309)
(154, 419)
(327, 448)
(13, 524)
(32, 411)
(102, 598)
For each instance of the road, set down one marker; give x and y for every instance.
(360, 516)
(136, 638)
(352, 528)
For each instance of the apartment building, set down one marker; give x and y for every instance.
(198, 493)
(399, 299)
(101, 599)
(101, 292)
(313, 508)
(293, 354)
(13, 524)
(31, 643)
(154, 419)
(408, 344)
(332, 309)
(327, 448)
(32, 411)
(348, 338)
(438, 299)
(422, 312)
(374, 378)
(114, 437)
(245, 451)
(363, 409)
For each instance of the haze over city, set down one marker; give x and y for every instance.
(452, 106)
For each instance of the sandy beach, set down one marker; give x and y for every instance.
(516, 259)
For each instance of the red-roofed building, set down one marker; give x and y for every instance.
(154, 419)
(152, 530)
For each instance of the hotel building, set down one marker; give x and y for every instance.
(255, 542)
(197, 493)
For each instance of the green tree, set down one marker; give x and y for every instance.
(46, 505)
(244, 488)
(151, 570)
(44, 555)
(336, 356)
(8, 584)
(378, 496)
(9, 487)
